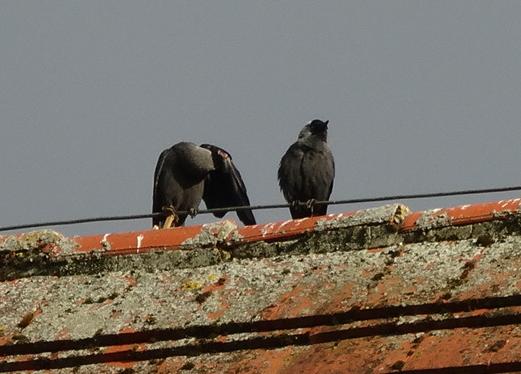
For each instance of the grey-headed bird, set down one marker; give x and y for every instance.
(187, 173)
(307, 171)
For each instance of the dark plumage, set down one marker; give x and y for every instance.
(307, 170)
(187, 173)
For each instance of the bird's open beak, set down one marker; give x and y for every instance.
(224, 155)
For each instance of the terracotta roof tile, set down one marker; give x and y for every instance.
(378, 290)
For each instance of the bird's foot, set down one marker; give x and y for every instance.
(193, 212)
(310, 204)
(295, 204)
(172, 217)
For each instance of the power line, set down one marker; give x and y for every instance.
(259, 207)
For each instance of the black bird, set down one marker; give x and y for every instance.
(307, 170)
(187, 173)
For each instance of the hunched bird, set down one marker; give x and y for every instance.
(186, 173)
(307, 171)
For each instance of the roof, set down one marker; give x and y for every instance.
(376, 290)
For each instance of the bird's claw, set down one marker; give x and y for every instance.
(310, 204)
(168, 209)
(193, 212)
(171, 218)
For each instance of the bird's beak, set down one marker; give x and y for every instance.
(223, 154)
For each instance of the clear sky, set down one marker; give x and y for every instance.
(422, 96)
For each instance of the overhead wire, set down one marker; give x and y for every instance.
(259, 207)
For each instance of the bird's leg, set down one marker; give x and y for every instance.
(172, 218)
(295, 204)
(310, 204)
(193, 212)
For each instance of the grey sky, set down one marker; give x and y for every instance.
(421, 96)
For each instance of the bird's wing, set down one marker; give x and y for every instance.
(158, 173)
(224, 187)
(157, 195)
(290, 172)
(331, 168)
(159, 167)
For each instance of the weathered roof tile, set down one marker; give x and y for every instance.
(380, 290)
